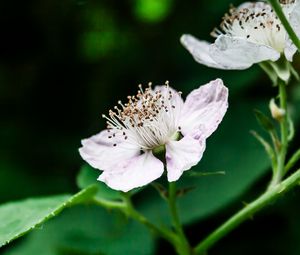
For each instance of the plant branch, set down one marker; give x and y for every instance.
(248, 211)
(133, 213)
(293, 160)
(109, 204)
(281, 157)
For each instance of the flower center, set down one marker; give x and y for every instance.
(149, 119)
(255, 22)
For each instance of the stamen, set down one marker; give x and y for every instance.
(255, 22)
(141, 88)
(287, 1)
(148, 119)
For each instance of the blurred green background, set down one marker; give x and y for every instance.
(63, 63)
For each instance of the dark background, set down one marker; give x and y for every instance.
(63, 63)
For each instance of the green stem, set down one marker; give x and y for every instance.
(109, 204)
(284, 136)
(183, 246)
(277, 8)
(293, 160)
(133, 213)
(248, 211)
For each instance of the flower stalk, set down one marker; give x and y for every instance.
(110, 205)
(265, 199)
(182, 247)
(279, 173)
(133, 213)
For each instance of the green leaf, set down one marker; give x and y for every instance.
(87, 230)
(18, 218)
(88, 176)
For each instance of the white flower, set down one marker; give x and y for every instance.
(154, 119)
(249, 34)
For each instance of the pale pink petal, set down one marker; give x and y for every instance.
(204, 108)
(182, 155)
(200, 51)
(133, 173)
(238, 53)
(106, 149)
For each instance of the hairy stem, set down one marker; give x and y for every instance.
(248, 211)
(109, 204)
(183, 246)
(277, 8)
(133, 213)
(284, 136)
(292, 162)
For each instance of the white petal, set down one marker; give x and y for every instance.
(293, 12)
(99, 150)
(200, 51)
(182, 155)
(295, 18)
(250, 5)
(176, 100)
(289, 50)
(176, 97)
(204, 108)
(135, 172)
(238, 53)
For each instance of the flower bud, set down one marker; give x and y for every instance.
(277, 112)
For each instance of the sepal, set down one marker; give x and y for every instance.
(281, 69)
(268, 148)
(264, 121)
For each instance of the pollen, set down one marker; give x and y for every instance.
(148, 119)
(256, 22)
